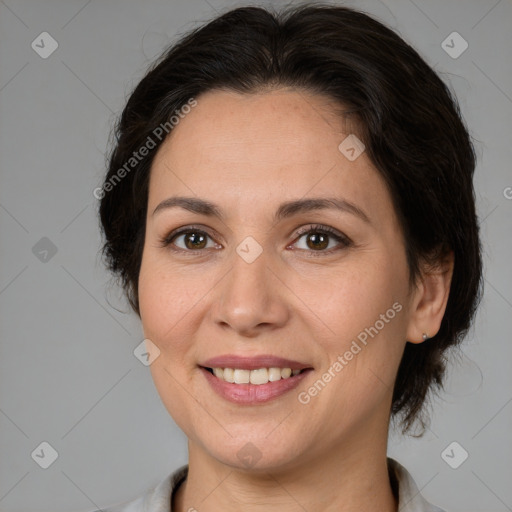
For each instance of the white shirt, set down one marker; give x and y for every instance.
(158, 498)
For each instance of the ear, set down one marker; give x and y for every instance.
(430, 299)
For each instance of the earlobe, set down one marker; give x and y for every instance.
(431, 298)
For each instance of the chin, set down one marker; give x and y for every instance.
(255, 453)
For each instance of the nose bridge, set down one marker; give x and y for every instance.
(249, 263)
(249, 295)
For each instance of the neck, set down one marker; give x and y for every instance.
(351, 477)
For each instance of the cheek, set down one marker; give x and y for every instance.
(361, 350)
(352, 298)
(365, 312)
(165, 289)
(164, 302)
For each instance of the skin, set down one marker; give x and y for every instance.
(248, 154)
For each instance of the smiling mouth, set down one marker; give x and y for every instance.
(258, 376)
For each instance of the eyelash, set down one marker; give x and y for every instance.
(343, 240)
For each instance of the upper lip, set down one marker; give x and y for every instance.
(253, 363)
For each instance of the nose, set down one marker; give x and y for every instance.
(251, 298)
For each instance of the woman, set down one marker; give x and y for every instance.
(290, 208)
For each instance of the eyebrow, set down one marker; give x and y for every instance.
(285, 210)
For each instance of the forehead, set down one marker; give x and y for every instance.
(255, 128)
(263, 147)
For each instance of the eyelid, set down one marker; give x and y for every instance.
(321, 228)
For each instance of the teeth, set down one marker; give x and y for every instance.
(258, 377)
(229, 374)
(274, 374)
(242, 376)
(286, 372)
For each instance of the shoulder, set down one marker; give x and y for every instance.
(409, 497)
(156, 498)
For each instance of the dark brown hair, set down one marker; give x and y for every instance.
(410, 123)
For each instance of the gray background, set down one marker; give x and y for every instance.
(68, 375)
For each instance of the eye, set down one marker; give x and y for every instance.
(189, 239)
(318, 239)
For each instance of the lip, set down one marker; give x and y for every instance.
(252, 394)
(253, 362)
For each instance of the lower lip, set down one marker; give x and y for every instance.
(253, 393)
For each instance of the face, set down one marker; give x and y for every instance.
(252, 284)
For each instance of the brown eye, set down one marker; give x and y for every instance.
(317, 241)
(194, 240)
(187, 240)
(322, 240)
